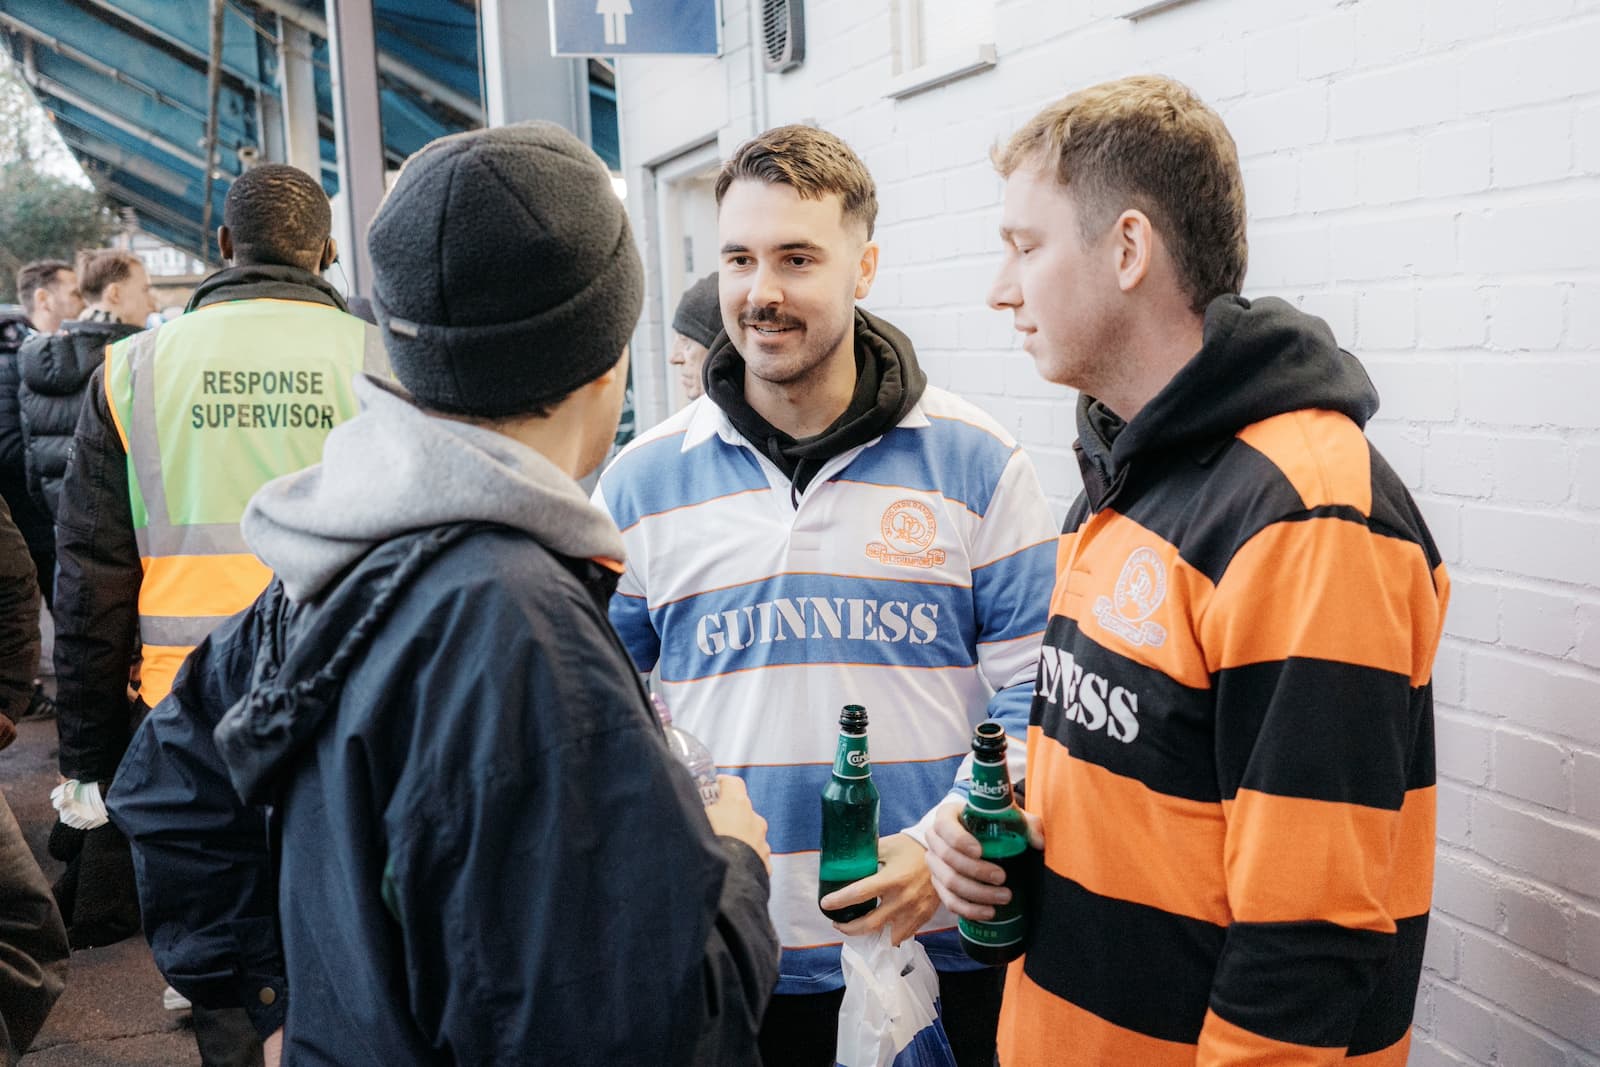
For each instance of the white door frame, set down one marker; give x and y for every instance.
(653, 393)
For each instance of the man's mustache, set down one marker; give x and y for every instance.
(769, 317)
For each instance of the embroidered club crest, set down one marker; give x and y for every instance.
(908, 529)
(1140, 590)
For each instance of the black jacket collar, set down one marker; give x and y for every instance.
(889, 382)
(1257, 359)
(264, 281)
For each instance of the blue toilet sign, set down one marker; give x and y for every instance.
(634, 27)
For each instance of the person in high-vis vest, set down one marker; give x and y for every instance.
(182, 424)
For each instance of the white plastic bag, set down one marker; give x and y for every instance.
(890, 1014)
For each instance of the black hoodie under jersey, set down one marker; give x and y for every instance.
(889, 382)
(1257, 359)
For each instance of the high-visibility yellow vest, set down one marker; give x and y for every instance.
(210, 407)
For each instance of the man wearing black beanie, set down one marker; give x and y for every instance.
(485, 852)
(695, 325)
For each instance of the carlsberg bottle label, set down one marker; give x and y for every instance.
(991, 795)
(993, 817)
(850, 762)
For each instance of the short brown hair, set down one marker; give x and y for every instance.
(812, 162)
(40, 274)
(1147, 142)
(99, 269)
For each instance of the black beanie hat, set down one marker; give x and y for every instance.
(699, 315)
(504, 271)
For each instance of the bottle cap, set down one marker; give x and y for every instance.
(853, 718)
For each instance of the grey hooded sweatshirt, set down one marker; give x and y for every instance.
(396, 470)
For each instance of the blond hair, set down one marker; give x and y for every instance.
(1148, 143)
(100, 269)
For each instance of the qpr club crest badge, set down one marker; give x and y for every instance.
(1140, 590)
(908, 529)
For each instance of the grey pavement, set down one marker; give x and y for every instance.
(110, 1014)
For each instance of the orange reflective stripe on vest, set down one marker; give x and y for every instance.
(193, 595)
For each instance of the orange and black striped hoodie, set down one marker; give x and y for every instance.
(1231, 741)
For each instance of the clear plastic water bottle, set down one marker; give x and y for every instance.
(691, 752)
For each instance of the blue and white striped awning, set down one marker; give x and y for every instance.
(126, 83)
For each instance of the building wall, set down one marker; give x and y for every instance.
(1422, 174)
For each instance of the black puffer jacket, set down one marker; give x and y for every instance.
(29, 517)
(55, 373)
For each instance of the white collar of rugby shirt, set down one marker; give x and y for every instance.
(708, 420)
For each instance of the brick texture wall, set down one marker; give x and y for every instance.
(1423, 175)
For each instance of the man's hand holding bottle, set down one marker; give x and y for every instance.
(905, 895)
(969, 885)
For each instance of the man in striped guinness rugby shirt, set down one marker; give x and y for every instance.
(1230, 750)
(824, 527)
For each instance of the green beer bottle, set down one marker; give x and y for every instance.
(992, 816)
(849, 817)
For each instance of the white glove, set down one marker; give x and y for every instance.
(79, 804)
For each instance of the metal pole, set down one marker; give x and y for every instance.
(358, 122)
(758, 71)
(523, 80)
(490, 33)
(429, 87)
(297, 80)
(213, 95)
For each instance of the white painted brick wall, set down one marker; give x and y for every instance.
(1422, 174)
(1456, 159)
(1528, 317)
(1535, 470)
(1532, 146)
(1453, 316)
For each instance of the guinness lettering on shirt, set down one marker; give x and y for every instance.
(816, 618)
(1086, 697)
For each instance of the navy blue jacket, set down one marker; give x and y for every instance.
(481, 849)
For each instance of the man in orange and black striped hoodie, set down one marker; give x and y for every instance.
(1230, 756)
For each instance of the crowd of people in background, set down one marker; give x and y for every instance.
(353, 677)
(33, 966)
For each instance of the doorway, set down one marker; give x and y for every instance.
(686, 243)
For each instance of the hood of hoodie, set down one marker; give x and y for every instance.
(264, 281)
(60, 363)
(303, 655)
(889, 382)
(1257, 359)
(394, 470)
(395, 489)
